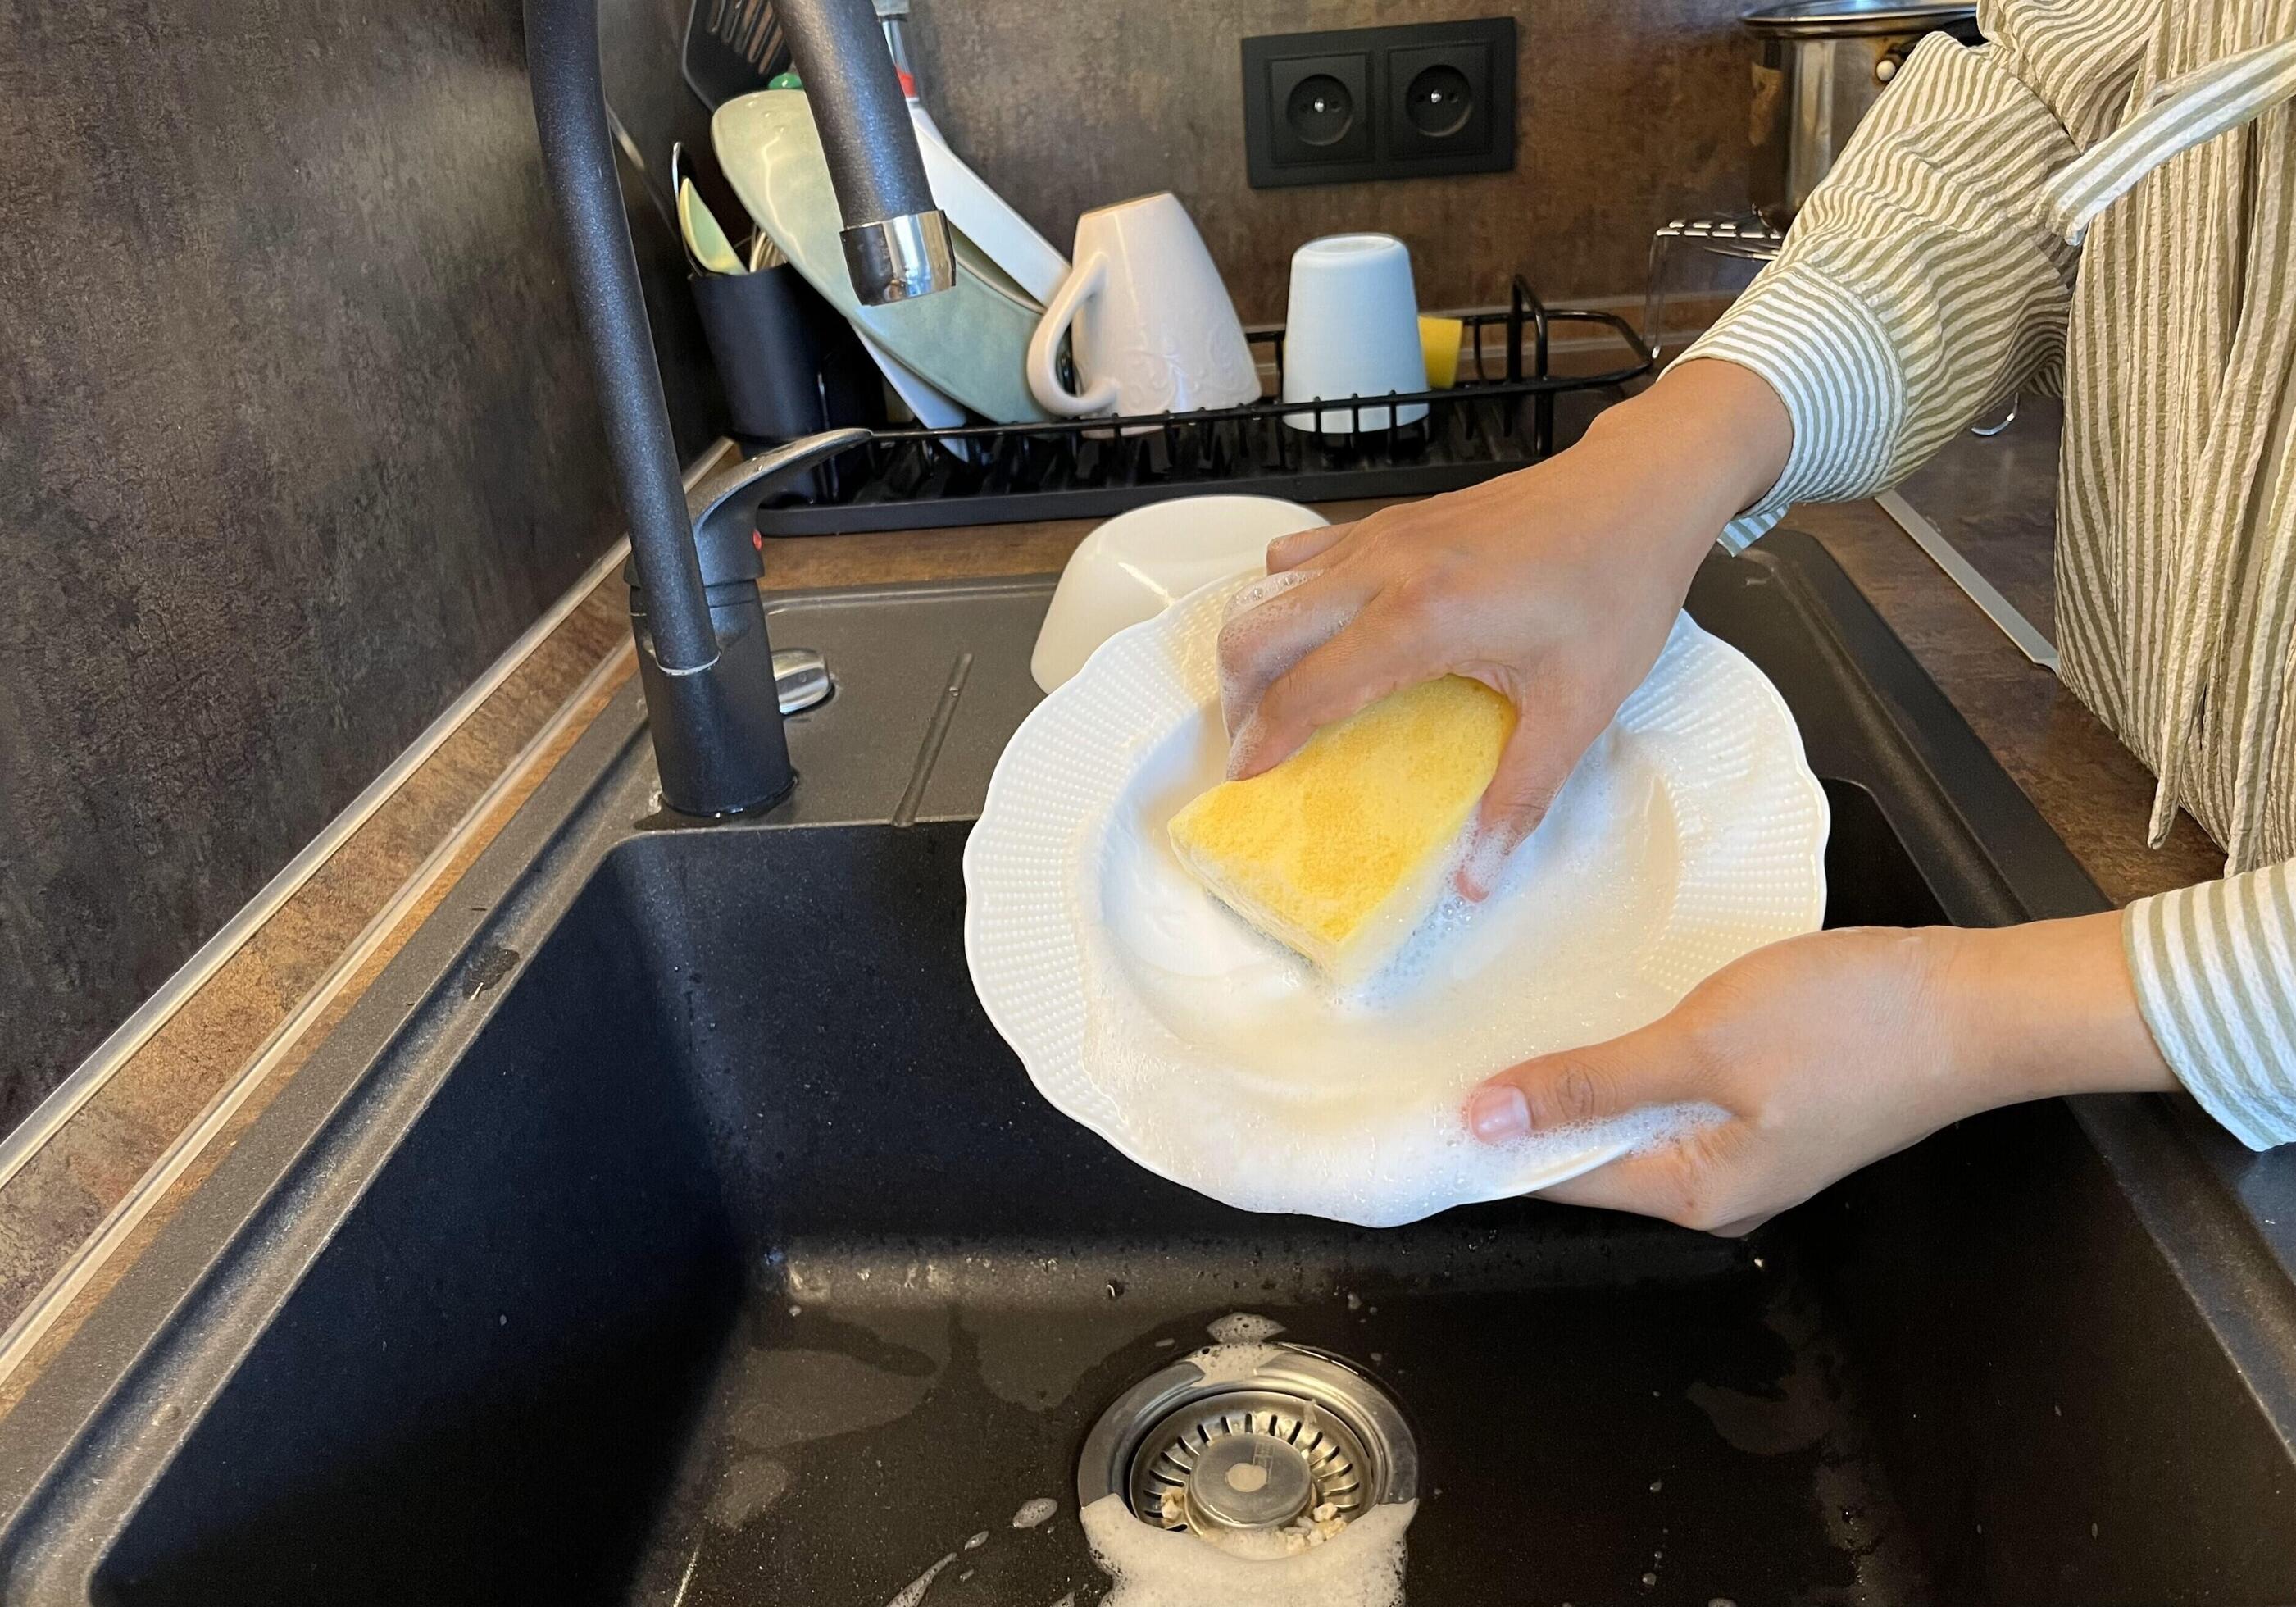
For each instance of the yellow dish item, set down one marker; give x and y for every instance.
(1438, 341)
(1343, 849)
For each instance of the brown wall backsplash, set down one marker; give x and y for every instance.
(295, 436)
(1628, 113)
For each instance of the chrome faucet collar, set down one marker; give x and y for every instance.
(898, 258)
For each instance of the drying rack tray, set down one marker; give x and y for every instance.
(1500, 416)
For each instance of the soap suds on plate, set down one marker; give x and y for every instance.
(1246, 1074)
(1033, 1512)
(1691, 833)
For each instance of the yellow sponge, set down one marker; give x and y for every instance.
(1340, 850)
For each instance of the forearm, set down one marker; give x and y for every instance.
(2045, 1009)
(1715, 429)
(1700, 446)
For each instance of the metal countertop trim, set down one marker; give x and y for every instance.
(65, 1100)
(41, 1313)
(2004, 613)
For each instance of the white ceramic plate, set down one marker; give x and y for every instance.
(1139, 563)
(934, 410)
(987, 219)
(1692, 833)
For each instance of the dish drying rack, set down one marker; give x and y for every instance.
(1498, 417)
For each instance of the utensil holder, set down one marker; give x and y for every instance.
(789, 364)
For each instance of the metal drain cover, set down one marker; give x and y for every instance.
(1298, 1443)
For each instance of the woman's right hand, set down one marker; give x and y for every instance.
(1555, 587)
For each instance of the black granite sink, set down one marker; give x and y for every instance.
(669, 1225)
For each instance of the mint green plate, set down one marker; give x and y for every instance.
(971, 340)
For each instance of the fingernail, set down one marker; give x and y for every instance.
(1498, 1112)
(1485, 863)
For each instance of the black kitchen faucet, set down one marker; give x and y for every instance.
(704, 658)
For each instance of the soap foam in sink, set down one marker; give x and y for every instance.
(1360, 1567)
(1035, 1512)
(1227, 1364)
(1244, 1328)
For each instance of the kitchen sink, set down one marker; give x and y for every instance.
(669, 1225)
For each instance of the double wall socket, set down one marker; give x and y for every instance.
(1380, 102)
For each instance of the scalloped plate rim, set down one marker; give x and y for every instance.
(1025, 1046)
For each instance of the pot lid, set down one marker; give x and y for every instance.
(1855, 18)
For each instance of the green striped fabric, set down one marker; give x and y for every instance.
(2099, 201)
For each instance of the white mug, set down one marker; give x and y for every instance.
(1352, 330)
(1154, 329)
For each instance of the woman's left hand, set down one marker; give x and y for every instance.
(1829, 1051)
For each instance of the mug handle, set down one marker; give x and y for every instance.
(1085, 279)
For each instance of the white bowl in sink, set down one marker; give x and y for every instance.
(1141, 562)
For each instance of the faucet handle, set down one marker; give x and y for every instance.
(724, 507)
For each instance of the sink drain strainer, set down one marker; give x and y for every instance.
(1286, 1453)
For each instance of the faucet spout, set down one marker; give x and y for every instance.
(704, 658)
(896, 241)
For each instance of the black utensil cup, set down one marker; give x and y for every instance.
(789, 364)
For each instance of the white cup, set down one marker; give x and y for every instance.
(1154, 329)
(1352, 330)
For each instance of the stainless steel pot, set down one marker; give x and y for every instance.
(1822, 64)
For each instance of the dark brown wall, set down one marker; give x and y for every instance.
(1630, 111)
(295, 437)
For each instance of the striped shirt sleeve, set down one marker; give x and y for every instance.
(1918, 287)
(2215, 969)
(1928, 276)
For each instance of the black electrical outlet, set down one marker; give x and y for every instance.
(1439, 100)
(1379, 102)
(1322, 109)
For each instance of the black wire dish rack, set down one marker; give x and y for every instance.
(1488, 424)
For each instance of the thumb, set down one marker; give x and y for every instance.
(1579, 1087)
(1531, 770)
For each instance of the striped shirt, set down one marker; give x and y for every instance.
(2102, 201)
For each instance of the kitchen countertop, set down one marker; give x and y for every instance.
(272, 1004)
